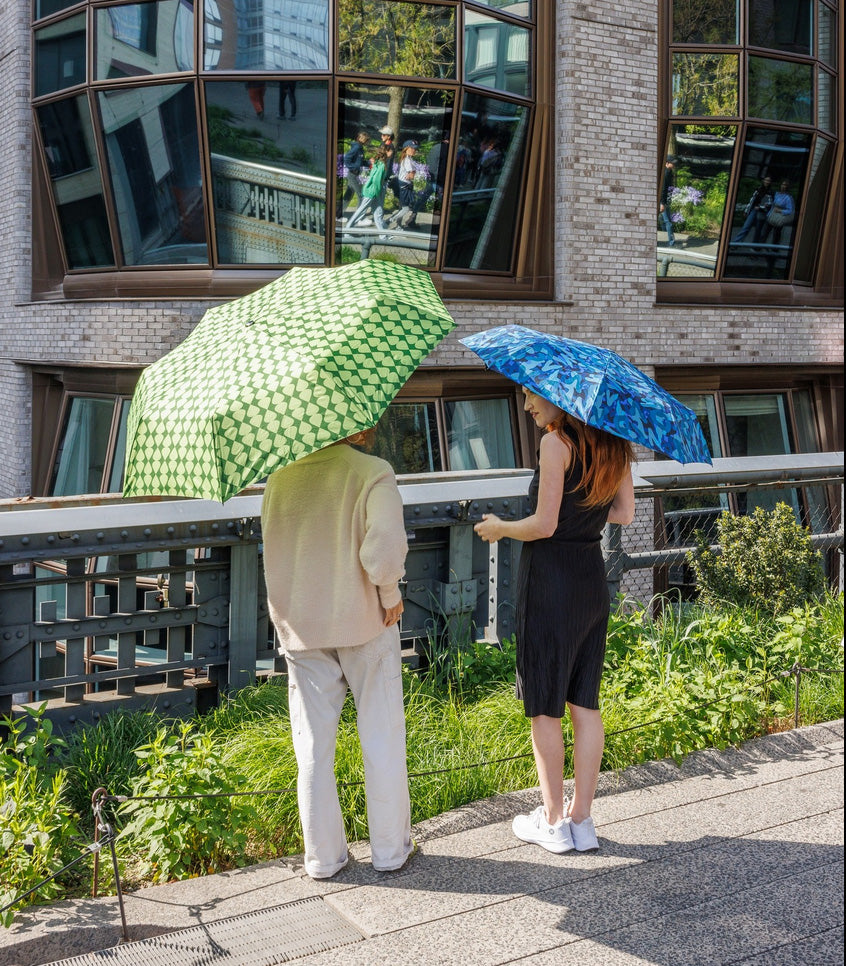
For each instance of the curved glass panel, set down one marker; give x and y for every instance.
(68, 138)
(496, 54)
(398, 216)
(766, 211)
(46, 8)
(59, 55)
(144, 38)
(781, 25)
(268, 175)
(826, 102)
(819, 177)
(486, 184)
(391, 37)
(780, 90)
(705, 21)
(826, 35)
(154, 165)
(692, 199)
(705, 84)
(266, 35)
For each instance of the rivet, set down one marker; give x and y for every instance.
(24, 540)
(123, 534)
(51, 539)
(100, 535)
(215, 527)
(171, 531)
(76, 627)
(75, 538)
(147, 531)
(72, 719)
(192, 528)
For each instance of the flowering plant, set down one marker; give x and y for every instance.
(683, 201)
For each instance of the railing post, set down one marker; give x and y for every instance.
(612, 551)
(243, 611)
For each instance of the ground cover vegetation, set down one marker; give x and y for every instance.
(218, 791)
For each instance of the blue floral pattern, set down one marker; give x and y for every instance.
(595, 385)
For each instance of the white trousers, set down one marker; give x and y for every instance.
(317, 687)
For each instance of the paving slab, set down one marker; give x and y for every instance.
(735, 856)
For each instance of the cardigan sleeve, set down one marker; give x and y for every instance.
(385, 545)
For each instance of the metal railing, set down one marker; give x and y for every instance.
(110, 603)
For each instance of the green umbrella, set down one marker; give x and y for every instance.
(266, 379)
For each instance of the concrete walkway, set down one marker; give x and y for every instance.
(736, 857)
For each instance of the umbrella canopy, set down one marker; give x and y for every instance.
(263, 380)
(596, 386)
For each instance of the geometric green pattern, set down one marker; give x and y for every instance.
(263, 380)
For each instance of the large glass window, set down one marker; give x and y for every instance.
(83, 447)
(144, 38)
(766, 210)
(154, 166)
(237, 160)
(255, 35)
(393, 37)
(770, 70)
(479, 434)
(68, 138)
(268, 176)
(59, 55)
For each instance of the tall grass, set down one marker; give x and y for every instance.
(674, 682)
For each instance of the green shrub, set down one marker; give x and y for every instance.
(37, 827)
(764, 560)
(195, 823)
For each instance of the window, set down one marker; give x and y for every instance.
(199, 166)
(749, 101)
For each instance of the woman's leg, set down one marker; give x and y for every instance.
(359, 213)
(588, 744)
(548, 746)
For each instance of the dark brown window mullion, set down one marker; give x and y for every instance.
(206, 171)
(731, 198)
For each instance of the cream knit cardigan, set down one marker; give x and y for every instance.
(334, 548)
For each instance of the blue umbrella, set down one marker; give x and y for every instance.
(596, 386)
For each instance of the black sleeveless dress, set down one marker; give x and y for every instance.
(562, 606)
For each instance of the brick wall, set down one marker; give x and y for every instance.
(605, 191)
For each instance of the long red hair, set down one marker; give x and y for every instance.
(604, 458)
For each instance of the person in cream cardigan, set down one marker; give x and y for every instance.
(334, 550)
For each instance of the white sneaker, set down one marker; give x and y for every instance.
(534, 828)
(584, 835)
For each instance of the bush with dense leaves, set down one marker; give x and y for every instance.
(765, 560)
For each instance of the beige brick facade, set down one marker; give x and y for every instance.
(605, 189)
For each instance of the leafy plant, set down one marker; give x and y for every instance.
(764, 560)
(37, 825)
(194, 824)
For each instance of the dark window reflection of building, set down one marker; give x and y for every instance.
(705, 22)
(781, 25)
(268, 174)
(496, 54)
(154, 165)
(816, 198)
(59, 55)
(780, 90)
(780, 157)
(488, 173)
(68, 139)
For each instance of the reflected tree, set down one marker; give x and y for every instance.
(705, 21)
(407, 39)
(705, 85)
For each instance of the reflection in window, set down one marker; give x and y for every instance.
(517, 8)
(59, 55)
(404, 217)
(407, 437)
(68, 139)
(826, 35)
(705, 84)
(268, 177)
(266, 35)
(781, 91)
(758, 425)
(119, 455)
(45, 8)
(486, 183)
(83, 447)
(496, 54)
(154, 164)
(819, 177)
(696, 199)
(826, 102)
(781, 25)
(392, 37)
(705, 22)
(144, 38)
(479, 434)
(763, 237)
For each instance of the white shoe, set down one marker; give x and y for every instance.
(534, 828)
(584, 835)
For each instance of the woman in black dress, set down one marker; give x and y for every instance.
(583, 481)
